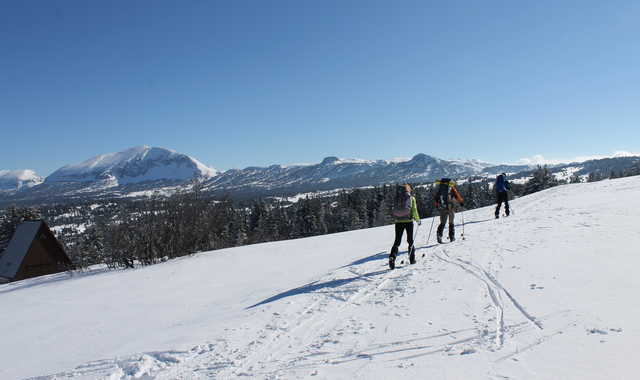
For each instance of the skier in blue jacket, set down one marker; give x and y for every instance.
(501, 186)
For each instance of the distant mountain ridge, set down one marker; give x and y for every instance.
(119, 174)
(14, 180)
(333, 173)
(134, 165)
(143, 171)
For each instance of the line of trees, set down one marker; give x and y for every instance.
(123, 233)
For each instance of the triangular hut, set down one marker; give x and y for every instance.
(32, 251)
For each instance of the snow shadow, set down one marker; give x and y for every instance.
(427, 246)
(475, 221)
(384, 255)
(316, 286)
(49, 279)
(377, 256)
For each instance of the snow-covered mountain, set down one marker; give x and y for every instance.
(141, 169)
(134, 165)
(15, 180)
(144, 170)
(603, 167)
(334, 172)
(548, 293)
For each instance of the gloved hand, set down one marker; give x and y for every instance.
(419, 222)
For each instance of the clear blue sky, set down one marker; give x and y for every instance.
(239, 83)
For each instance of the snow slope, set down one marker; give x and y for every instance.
(548, 293)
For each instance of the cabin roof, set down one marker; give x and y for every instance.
(18, 247)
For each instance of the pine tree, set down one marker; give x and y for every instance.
(594, 177)
(542, 179)
(10, 220)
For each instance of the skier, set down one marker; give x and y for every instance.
(501, 186)
(405, 211)
(446, 199)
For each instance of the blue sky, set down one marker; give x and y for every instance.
(240, 83)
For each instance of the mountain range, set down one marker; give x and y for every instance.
(143, 171)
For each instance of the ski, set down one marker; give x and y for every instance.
(394, 265)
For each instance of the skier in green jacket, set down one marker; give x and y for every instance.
(405, 211)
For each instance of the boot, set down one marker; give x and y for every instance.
(412, 255)
(439, 233)
(452, 232)
(392, 257)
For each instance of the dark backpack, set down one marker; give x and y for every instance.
(442, 192)
(402, 204)
(502, 184)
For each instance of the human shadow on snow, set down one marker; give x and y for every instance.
(475, 221)
(385, 254)
(377, 256)
(316, 286)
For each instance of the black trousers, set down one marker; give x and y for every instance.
(502, 197)
(400, 228)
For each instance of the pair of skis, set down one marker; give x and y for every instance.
(412, 258)
(412, 249)
(412, 252)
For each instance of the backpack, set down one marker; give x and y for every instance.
(442, 193)
(402, 204)
(502, 184)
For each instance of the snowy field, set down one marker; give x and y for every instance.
(548, 293)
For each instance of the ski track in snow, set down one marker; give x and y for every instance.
(310, 330)
(491, 290)
(303, 332)
(493, 287)
(320, 323)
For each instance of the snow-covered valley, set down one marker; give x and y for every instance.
(548, 293)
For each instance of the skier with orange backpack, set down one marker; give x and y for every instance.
(446, 200)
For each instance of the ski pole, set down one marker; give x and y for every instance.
(433, 219)
(415, 234)
(463, 224)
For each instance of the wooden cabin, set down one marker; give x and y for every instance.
(32, 251)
